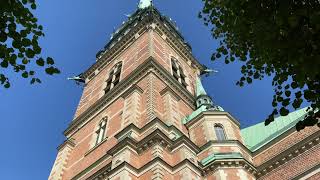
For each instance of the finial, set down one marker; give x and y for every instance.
(144, 4)
(207, 72)
(199, 88)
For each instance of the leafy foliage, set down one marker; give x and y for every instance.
(19, 35)
(279, 38)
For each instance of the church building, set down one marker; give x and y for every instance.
(144, 114)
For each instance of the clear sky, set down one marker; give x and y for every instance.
(34, 117)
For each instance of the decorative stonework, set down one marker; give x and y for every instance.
(151, 100)
(157, 173)
(172, 116)
(157, 151)
(132, 108)
(60, 163)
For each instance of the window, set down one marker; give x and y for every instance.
(219, 132)
(177, 73)
(101, 130)
(114, 77)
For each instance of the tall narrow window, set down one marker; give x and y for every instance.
(101, 130)
(177, 73)
(219, 133)
(114, 77)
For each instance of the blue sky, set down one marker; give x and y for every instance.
(34, 117)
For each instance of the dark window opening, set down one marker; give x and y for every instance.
(178, 74)
(114, 77)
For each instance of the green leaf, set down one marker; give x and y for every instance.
(33, 80)
(26, 42)
(288, 93)
(30, 53)
(50, 61)
(249, 80)
(293, 21)
(284, 111)
(7, 85)
(286, 102)
(50, 70)
(33, 6)
(25, 61)
(4, 64)
(40, 62)
(16, 44)
(25, 74)
(297, 103)
(3, 36)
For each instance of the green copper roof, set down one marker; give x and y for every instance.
(258, 135)
(199, 88)
(144, 4)
(194, 114)
(219, 156)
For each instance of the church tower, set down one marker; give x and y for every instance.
(144, 113)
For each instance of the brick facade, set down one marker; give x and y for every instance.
(145, 137)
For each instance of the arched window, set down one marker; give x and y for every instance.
(177, 73)
(114, 77)
(101, 130)
(219, 133)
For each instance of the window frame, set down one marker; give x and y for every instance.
(220, 132)
(101, 131)
(114, 77)
(178, 73)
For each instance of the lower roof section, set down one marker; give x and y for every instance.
(258, 135)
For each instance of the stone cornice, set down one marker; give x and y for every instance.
(132, 89)
(211, 142)
(149, 65)
(169, 90)
(212, 113)
(68, 142)
(138, 172)
(289, 154)
(228, 163)
(147, 126)
(102, 170)
(156, 137)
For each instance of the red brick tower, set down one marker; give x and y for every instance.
(145, 115)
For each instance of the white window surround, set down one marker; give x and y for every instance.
(114, 77)
(220, 134)
(177, 72)
(101, 131)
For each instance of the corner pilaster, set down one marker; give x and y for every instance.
(60, 163)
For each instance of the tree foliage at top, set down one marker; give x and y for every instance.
(19, 47)
(279, 38)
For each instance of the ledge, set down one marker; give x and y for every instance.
(95, 147)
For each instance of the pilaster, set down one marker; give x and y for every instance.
(132, 108)
(60, 163)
